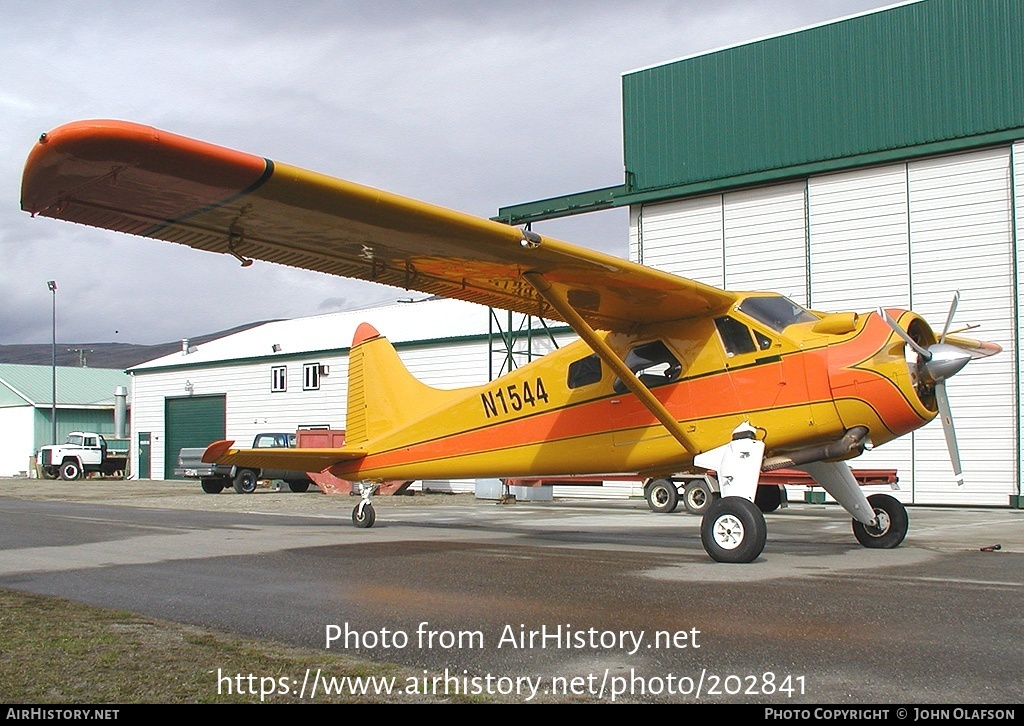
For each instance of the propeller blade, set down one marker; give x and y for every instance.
(949, 318)
(976, 348)
(946, 415)
(921, 350)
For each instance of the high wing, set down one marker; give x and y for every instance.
(136, 179)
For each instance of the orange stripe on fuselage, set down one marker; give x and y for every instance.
(769, 386)
(851, 378)
(689, 400)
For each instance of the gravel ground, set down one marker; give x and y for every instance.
(186, 494)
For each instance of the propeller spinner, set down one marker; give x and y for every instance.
(938, 362)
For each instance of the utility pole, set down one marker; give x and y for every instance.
(52, 284)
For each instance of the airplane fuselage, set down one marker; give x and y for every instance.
(566, 413)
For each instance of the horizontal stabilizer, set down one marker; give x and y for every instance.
(309, 460)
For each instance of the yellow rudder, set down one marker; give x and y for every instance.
(383, 395)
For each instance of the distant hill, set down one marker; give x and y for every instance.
(104, 355)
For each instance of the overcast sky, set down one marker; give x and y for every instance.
(471, 105)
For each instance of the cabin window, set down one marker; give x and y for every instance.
(775, 311)
(278, 379)
(311, 377)
(735, 336)
(762, 340)
(653, 363)
(584, 372)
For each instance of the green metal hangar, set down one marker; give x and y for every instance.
(877, 160)
(87, 399)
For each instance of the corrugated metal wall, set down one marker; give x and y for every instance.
(923, 73)
(901, 235)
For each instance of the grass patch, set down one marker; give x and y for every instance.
(58, 651)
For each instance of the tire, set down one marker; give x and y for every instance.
(893, 524)
(212, 486)
(245, 481)
(298, 486)
(733, 530)
(768, 498)
(697, 497)
(662, 496)
(70, 470)
(364, 519)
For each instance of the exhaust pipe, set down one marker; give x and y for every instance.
(853, 442)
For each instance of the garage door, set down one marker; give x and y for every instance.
(194, 421)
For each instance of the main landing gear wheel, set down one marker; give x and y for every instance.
(662, 496)
(697, 497)
(363, 515)
(733, 530)
(892, 527)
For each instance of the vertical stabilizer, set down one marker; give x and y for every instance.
(383, 396)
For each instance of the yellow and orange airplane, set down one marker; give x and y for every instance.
(669, 375)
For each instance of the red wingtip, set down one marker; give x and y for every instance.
(364, 332)
(216, 450)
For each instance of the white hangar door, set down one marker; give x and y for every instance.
(961, 238)
(860, 260)
(910, 235)
(682, 237)
(765, 240)
(903, 235)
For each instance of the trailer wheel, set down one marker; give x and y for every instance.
(768, 498)
(70, 470)
(212, 486)
(245, 481)
(662, 496)
(697, 497)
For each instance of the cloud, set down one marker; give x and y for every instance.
(471, 105)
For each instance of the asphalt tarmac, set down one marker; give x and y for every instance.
(575, 600)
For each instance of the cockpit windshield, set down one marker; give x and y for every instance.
(775, 311)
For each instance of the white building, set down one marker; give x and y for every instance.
(284, 375)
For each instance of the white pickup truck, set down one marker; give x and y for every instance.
(216, 478)
(84, 452)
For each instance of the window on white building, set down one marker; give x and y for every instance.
(278, 379)
(310, 376)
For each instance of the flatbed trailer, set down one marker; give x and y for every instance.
(697, 491)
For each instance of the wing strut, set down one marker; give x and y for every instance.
(605, 353)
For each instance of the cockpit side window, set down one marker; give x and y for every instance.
(653, 363)
(735, 336)
(584, 372)
(762, 340)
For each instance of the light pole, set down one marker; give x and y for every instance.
(52, 284)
